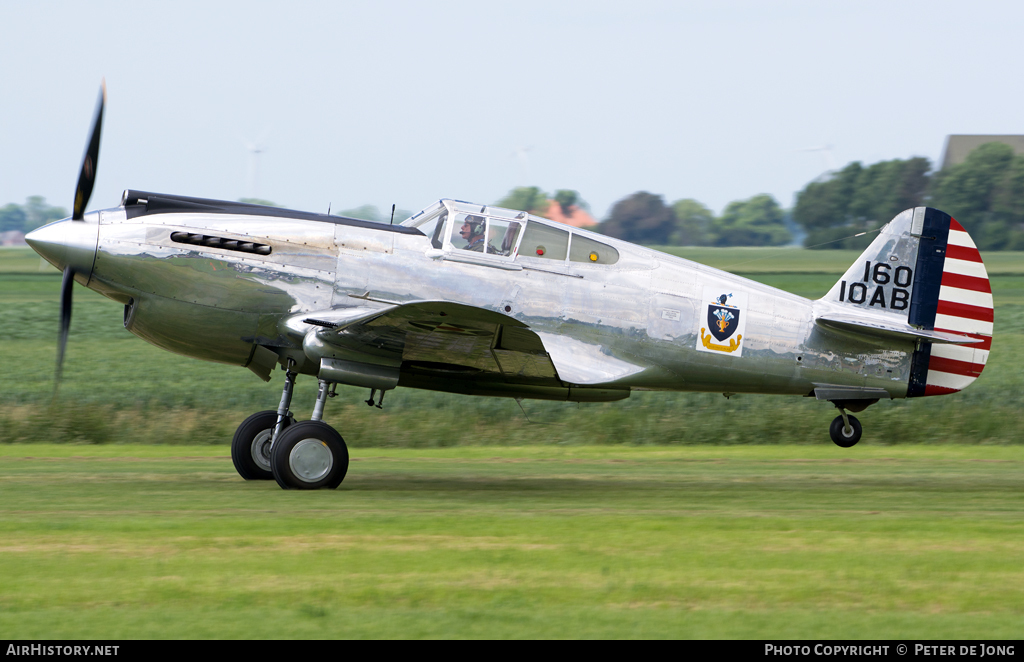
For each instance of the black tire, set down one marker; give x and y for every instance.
(299, 461)
(839, 436)
(252, 437)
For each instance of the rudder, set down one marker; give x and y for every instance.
(958, 300)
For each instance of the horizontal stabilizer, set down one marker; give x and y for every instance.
(891, 329)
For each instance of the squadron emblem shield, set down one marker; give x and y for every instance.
(722, 321)
(721, 328)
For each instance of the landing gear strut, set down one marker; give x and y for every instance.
(380, 400)
(310, 455)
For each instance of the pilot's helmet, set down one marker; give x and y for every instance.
(476, 225)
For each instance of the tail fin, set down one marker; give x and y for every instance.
(925, 271)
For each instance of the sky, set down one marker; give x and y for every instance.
(383, 102)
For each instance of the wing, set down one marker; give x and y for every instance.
(440, 338)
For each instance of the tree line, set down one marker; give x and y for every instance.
(645, 218)
(985, 194)
(29, 216)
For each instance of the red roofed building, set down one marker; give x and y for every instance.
(12, 238)
(578, 218)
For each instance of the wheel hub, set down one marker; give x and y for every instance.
(310, 460)
(261, 449)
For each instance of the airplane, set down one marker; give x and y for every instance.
(478, 300)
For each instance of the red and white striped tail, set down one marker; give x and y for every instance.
(965, 307)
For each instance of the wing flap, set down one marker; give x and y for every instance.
(585, 364)
(454, 340)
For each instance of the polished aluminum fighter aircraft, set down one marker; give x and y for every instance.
(473, 299)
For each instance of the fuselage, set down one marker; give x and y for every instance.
(228, 286)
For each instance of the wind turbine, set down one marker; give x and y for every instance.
(255, 149)
(522, 153)
(826, 156)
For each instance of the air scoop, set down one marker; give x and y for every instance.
(68, 243)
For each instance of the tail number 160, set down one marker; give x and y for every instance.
(878, 275)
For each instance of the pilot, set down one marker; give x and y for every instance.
(473, 232)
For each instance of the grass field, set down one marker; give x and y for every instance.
(739, 542)
(119, 389)
(665, 515)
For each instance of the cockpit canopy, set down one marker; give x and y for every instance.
(506, 234)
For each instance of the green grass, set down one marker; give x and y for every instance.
(23, 260)
(119, 389)
(664, 515)
(751, 260)
(742, 542)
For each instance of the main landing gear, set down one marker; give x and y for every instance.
(304, 456)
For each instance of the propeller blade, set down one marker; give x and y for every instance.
(66, 286)
(87, 176)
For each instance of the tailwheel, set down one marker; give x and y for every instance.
(309, 455)
(845, 430)
(250, 448)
